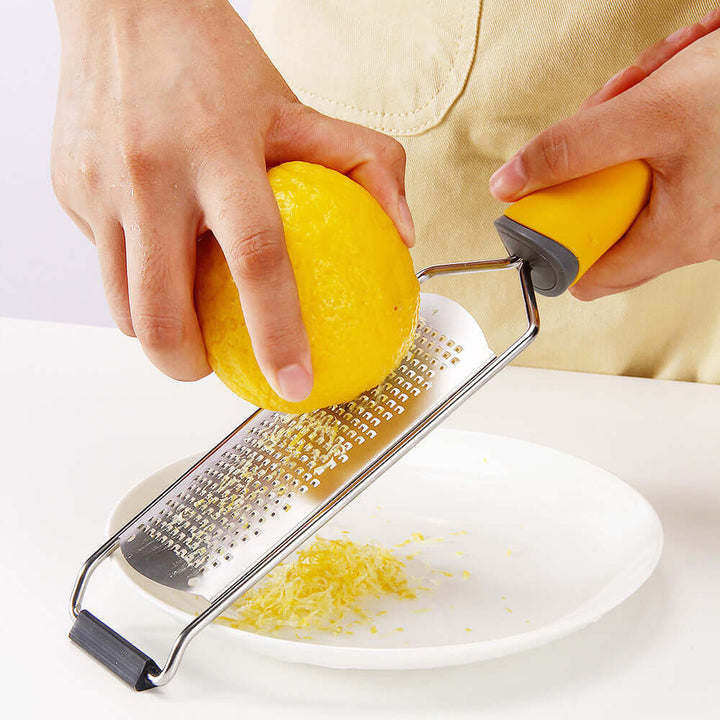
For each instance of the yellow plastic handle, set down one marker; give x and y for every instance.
(588, 215)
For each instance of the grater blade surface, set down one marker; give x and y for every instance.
(277, 474)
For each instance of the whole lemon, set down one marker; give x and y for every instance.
(358, 293)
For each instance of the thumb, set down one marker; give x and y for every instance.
(595, 138)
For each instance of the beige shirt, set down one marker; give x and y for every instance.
(463, 84)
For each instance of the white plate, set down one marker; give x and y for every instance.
(551, 543)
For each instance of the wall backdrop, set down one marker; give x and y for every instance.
(48, 269)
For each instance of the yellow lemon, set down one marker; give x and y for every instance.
(358, 293)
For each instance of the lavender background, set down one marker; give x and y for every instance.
(48, 270)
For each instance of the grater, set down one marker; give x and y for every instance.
(277, 478)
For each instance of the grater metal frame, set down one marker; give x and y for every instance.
(140, 671)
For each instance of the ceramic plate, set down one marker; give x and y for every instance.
(523, 545)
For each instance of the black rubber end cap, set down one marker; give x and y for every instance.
(113, 651)
(553, 267)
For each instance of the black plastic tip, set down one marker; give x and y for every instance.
(113, 651)
(553, 267)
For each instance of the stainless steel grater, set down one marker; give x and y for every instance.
(275, 480)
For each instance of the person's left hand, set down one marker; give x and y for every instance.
(664, 109)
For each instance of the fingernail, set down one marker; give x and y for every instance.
(295, 382)
(408, 226)
(509, 180)
(615, 77)
(677, 35)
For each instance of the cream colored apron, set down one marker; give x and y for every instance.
(463, 84)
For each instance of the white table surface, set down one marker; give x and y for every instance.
(83, 416)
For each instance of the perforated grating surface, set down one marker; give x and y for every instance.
(276, 470)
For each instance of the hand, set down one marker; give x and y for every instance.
(168, 115)
(664, 109)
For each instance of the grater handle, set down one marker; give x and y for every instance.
(113, 651)
(563, 230)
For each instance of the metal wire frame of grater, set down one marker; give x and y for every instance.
(258, 478)
(426, 397)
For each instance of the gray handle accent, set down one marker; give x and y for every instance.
(553, 267)
(113, 651)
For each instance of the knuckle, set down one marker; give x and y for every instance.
(89, 177)
(158, 330)
(292, 125)
(553, 152)
(235, 193)
(288, 116)
(395, 151)
(140, 161)
(280, 335)
(394, 156)
(256, 254)
(389, 152)
(209, 142)
(213, 147)
(80, 176)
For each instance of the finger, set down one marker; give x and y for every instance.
(241, 211)
(712, 20)
(374, 160)
(110, 244)
(653, 58)
(627, 127)
(659, 53)
(624, 80)
(160, 252)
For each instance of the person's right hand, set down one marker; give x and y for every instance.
(663, 109)
(168, 115)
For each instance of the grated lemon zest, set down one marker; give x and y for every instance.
(419, 538)
(327, 580)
